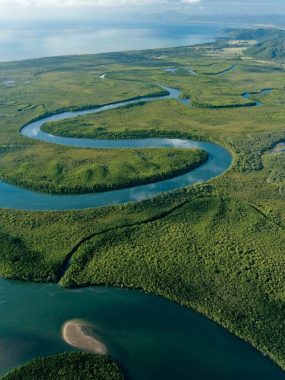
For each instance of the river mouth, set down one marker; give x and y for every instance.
(147, 335)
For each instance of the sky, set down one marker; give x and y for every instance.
(21, 9)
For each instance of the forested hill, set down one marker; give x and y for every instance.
(260, 34)
(271, 49)
(269, 43)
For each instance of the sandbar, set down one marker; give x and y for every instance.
(80, 334)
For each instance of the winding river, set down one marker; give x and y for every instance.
(150, 337)
(14, 197)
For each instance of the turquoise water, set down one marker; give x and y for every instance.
(150, 337)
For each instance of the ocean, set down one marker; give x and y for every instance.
(43, 39)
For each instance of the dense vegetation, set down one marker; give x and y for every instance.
(201, 256)
(68, 366)
(68, 171)
(217, 247)
(265, 43)
(272, 49)
(258, 34)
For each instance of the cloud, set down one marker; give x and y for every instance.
(98, 3)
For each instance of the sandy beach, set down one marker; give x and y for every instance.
(79, 334)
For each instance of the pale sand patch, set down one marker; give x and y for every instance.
(79, 334)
